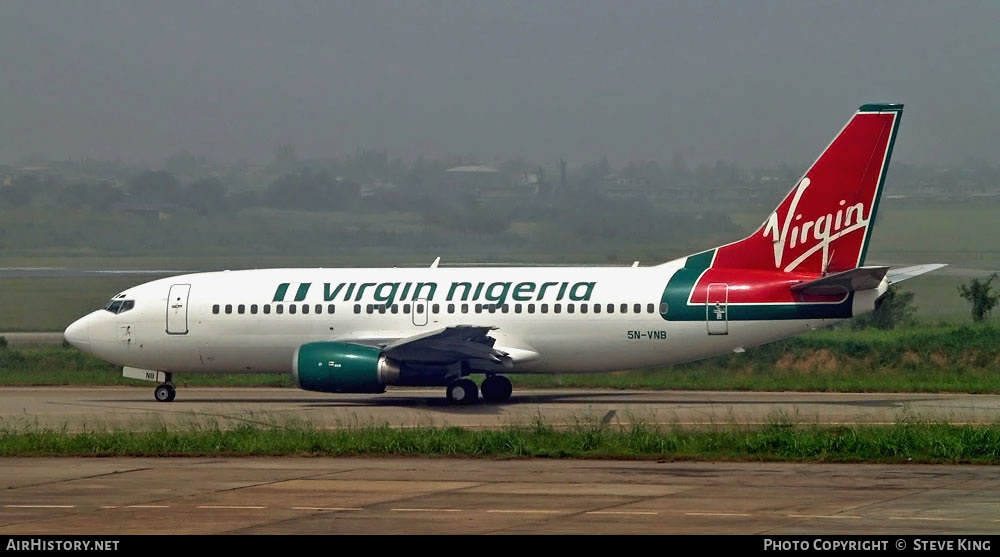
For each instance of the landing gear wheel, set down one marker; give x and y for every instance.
(463, 391)
(497, 388)
(165, 393)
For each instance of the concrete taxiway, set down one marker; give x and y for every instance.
(426, 496)
(78, 407)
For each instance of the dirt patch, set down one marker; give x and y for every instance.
(819, 360)
(940, 359)
(910, 357)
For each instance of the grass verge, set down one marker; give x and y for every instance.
(906, 442)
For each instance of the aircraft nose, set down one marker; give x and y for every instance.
(78, 333)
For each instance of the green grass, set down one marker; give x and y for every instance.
(50, 304)
(907, 442)
(942, 358)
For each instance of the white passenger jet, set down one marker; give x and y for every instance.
(358, 330)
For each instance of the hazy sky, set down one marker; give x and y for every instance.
(750, 81)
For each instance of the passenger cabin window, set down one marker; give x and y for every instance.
(291, 308)
(330, 309)
(229, 308)
(664, 308)
(636, 308)
(623, 308)
(241, 309)
(357, 308)
(279, 309)
(267, 309)
(215, 308)
(319, 308)
(650, 308)
(584, 308)
(253, 309)
(305, 308)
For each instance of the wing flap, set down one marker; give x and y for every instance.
(467, 343)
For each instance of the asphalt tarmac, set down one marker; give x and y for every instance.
(77, 407)
(110, 496)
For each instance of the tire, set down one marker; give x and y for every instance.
(164, 393)
(463, 391)
(497, 388)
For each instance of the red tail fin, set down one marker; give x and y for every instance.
(824, 223)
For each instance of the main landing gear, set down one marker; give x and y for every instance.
(496, 388)
(165, 392)
(463, 391)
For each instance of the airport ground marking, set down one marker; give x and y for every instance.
(327, 509)
(934, 518)
(524, 511)
(230, 507)
(641, 513)
(405, 510)
(40, 506)
(718, 514)
(838, 516)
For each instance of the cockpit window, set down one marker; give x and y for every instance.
(117, 305)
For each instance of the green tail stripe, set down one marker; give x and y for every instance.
(300, 294)
(279, 294)
(678, 291)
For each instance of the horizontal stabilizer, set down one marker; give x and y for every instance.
(903, 273)
(862, 278)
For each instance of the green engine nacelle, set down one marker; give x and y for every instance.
(339, 367)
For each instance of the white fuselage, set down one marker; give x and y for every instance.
(180, 324)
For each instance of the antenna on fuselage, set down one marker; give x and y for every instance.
(436, 261)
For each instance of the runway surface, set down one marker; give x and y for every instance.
(78, 407)
(397, 495)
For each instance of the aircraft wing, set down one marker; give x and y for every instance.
(459, 343)
(862, 278)
(903, 273)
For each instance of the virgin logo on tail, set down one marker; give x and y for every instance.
(818, 233)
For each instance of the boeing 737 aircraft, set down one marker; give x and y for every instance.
(358, 330)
